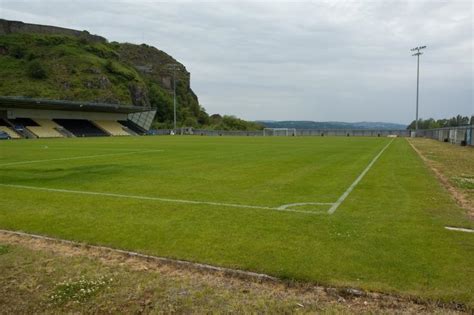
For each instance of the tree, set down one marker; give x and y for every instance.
(163, 102)
(430, 123)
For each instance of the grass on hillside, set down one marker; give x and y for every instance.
(75, 70)
(72, 68)
(388, 235)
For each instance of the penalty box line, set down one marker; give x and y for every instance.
(79, 157)
(358, 179)
(93, 193)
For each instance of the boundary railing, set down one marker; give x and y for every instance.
(462, 135)
(299, 132)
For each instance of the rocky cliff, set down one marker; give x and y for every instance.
(41, 61)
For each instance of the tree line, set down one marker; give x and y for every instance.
(431, 123)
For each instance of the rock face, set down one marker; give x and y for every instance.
(149, 61)
(84, 67)
(155, 64)
(139, 95)
(78, 66)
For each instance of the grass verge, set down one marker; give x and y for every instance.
(49, 277)
(454, 166)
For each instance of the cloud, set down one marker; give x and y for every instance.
(324, 60)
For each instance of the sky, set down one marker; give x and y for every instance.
(295, 60)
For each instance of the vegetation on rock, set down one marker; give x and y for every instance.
(76, 68)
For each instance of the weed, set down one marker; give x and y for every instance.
(4, 249)
(77, 291)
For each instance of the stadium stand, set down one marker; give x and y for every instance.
(24, 117)
(20, 126)
(81, 127)
(4, 135)
(6, 128)
(10, 132)
(112, 127)
(45, 129)
(133, 127)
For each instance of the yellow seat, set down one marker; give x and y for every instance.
(112, 127)
(10, 132)
(46, 129)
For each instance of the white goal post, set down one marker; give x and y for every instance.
(279, 132)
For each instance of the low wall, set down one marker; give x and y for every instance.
(11, 27)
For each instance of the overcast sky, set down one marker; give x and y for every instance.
(311, 60)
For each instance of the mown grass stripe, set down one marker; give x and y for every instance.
(94, 193)
(79, 157)
(358, 179)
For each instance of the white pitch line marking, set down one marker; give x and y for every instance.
(93, 193)
(451, 228)
(79, 157)
(304, 204)
(358, 179)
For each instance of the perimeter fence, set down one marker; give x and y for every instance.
(299, 132)
(463, 135)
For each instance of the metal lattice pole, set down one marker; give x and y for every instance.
(174, 98)
(417, 54)
(174, 67)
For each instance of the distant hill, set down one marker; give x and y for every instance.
(42, 61)
(302, 124)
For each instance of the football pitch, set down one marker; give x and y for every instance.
(358, 212)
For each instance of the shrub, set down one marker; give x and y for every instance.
(101, 51)
(36, 70)
(190, 122)
(17, 52)
(51, 40)
(116, 68)
(31, 56)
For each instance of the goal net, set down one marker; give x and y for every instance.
(279, 132)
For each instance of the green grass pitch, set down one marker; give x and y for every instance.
(218, 200)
